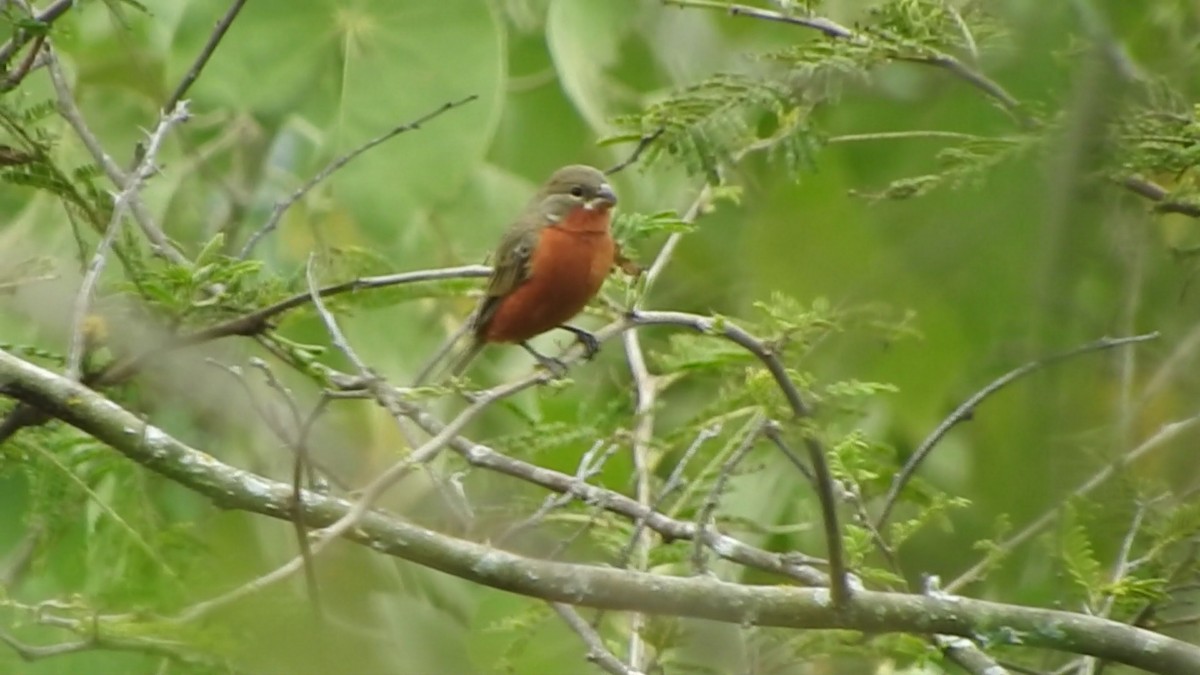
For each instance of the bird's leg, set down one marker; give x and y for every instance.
(591, 346)
(555, 366)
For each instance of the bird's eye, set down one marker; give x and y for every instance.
(577, 191)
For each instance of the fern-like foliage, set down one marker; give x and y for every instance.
(1161, 140)
(705, 125)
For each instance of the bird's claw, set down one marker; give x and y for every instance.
(591, 346)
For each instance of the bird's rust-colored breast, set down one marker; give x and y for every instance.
(568, 267)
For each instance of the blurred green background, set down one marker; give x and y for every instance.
(1032, 256)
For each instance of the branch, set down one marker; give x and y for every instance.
(1165, 433)
(257, 321)
(1160, 195)
(104, 636)
(69, 110)
(643, 143)
(837, 31)
(791, 566)
(189, 78)
(587, 585)
(21, 37)
(249, 324)
(839, 583)
(965, 411)
(121, 204)
(14, 78)
(281, 207)
(597, 652)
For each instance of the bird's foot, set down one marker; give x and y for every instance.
(591, 346)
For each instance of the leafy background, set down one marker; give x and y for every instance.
(999, 259)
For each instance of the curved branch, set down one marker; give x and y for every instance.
(587, 585)
(965, 411)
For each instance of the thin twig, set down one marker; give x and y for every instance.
(904, 135)
(210, 46)
(21, 37)
(965, 411)
(839, 576)
(645, 389)
(367, 499)
(1121, 567)
(1160, 195)
(589, 467)
(69, 110)
(282, 206)
(706, 516)
(674, 480)
(1164, 434)
(37, 652)
(597, 652)
(253, 323)
(339, 339)
(13, 79)
(121, 204)
(643, 143)
(300, 463)
(825, 26)
(835, 30)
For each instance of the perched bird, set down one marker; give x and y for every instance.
(548, 265)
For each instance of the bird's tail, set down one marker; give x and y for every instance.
(468, 355)
(440, 355)
(456, 364)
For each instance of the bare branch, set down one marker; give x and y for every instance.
(121, 204)
(257, 321)
(1160, 195)
(965, 411)
(1164, 434)
(69, 110)
(282, 206)
(210, 46)
(597, 652)
(706, 516)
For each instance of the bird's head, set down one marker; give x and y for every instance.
(579, 189)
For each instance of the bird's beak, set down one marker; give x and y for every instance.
(605, 197)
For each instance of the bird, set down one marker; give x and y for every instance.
(550, 262)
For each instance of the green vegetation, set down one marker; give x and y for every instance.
(907, 324)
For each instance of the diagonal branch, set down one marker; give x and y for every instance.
(966, 410)
(333, 167)
(210, 46)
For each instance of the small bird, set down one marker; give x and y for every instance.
(552, 260)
